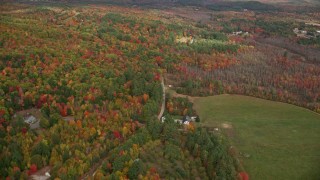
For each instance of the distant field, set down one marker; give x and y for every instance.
(279, 141)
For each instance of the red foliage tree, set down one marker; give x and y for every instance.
(244, 176)
(116, 134)
(157, 77)
(24, 130)
(2, 112)
(159, 60)
(33, 169)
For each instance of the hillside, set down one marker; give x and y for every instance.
(82, 84)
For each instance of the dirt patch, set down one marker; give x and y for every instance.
(228, 129)
(226, 126)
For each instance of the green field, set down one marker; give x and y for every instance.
(280, 141)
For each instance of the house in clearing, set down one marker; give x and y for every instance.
(30, 116)
(304, 34)
(185, 120)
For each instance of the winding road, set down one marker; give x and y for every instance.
(163, 99)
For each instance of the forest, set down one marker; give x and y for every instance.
(90, 74)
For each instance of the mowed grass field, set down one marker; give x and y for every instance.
(280, 141)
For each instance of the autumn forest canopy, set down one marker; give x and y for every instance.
(82, 84)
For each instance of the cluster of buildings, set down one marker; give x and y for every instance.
(185, 120)
(306, 34)
(237, 33)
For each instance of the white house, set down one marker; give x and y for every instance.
(30, 119)
(186, 123)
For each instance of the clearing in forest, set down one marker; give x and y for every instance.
(276, 140)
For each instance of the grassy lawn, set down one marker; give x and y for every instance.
(282, 140)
